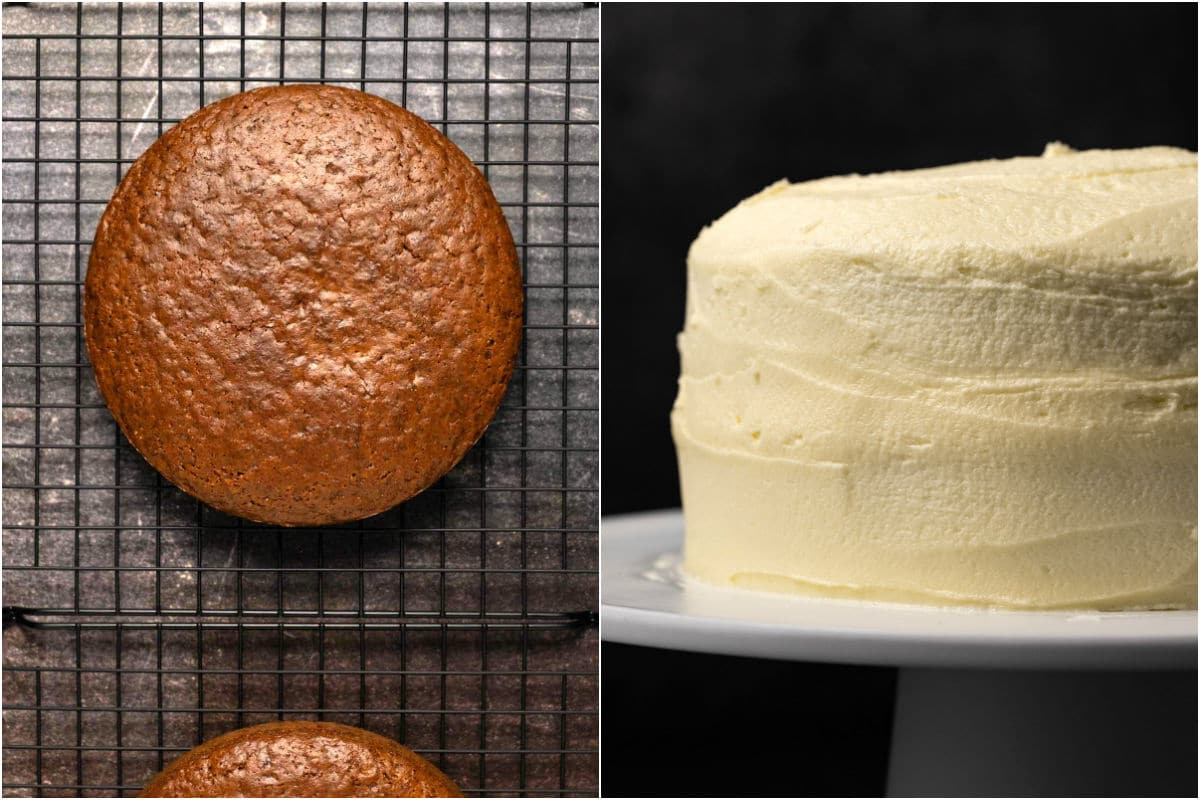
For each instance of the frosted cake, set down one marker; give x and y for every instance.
(974, 384)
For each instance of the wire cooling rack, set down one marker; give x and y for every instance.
(138, 622)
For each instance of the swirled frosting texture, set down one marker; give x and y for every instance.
(974, 384)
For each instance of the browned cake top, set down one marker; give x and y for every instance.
(300, 759)
(303, 304)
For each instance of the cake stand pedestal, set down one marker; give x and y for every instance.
(989, 703)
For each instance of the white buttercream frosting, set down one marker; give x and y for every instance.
(971, 384)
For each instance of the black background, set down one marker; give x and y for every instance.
(706, 104)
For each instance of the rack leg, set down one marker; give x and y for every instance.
(1027, 733)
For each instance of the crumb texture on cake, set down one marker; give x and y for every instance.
(300, 759)
(970, 384)
(303, 304)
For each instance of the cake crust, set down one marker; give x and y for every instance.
(303, 305)
(300, 759)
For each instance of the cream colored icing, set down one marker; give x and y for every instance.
(974, 384)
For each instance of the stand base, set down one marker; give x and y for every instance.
(1015, 733)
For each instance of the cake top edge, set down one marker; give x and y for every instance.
(1124, 211)
(1056, 160)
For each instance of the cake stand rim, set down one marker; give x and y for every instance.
(638, 610)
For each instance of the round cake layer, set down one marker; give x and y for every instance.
(300, 759)
(303, 305)
(973, 384)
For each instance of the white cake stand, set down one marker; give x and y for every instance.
(989, 703)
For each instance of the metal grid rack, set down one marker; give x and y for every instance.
(138, 622)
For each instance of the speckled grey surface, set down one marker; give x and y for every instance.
(90, 529)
